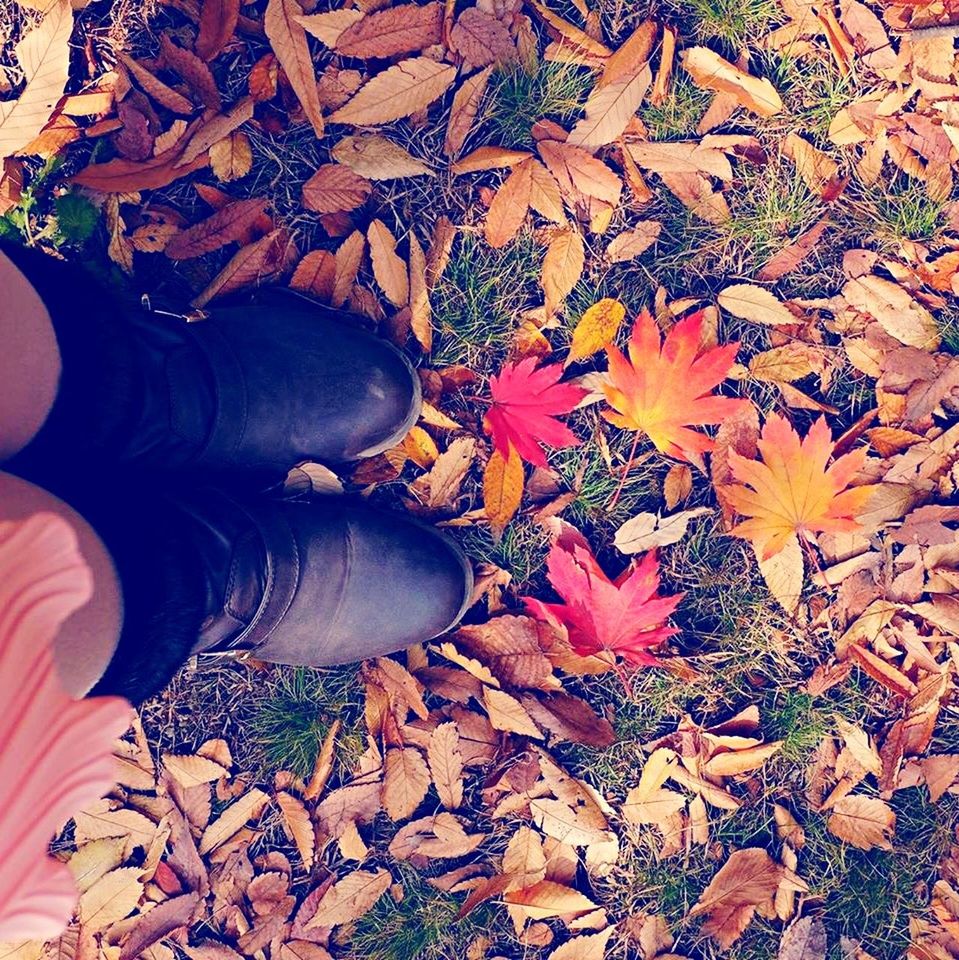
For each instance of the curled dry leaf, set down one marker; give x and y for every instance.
(711, 71)
(749, 302)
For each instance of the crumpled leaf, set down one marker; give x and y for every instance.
(709, 70)
(646, 531)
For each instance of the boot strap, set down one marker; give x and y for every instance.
(282, 580)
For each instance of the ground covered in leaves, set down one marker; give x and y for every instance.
(681, 284)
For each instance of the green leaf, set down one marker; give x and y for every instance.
(76, 217)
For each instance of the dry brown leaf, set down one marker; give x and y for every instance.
(488, 158)
(315, 274)
(899, 314)
(562, 266)
(446, 764)
(288, 40)
(189, 770)
(229, 224)
(405, 782)
(609, 109)
(327, 27)
(93, 860)
(710, 71)
(587, 947)
(111, 898)
(481, 39)
(155, 88)
(216, 129)
(463, 112)
(232, 157)
(677, 485)
(747, 879)
(405, 28)
(547, 899)
(632, 243)
(524, 861)
(323, 767)
(749, 302)
(507, 713)
(388, 267)
(335, 188)
(865, 822)
(349, 898)
(510, 205)
(349, 256)
(405, 88)
(298, 826)
(263, 259)
(502, 489)
(373, 156)
(232, 820)
(218, 20)
(421, 314)
(44, 57)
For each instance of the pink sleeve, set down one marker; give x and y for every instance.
(55, 752)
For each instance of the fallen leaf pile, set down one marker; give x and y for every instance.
(806, 406)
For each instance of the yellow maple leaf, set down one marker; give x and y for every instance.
(793, 489)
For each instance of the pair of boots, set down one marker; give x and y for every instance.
(150, 407)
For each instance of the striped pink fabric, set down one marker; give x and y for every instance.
(55, 752)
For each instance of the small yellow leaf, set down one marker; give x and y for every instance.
(596, 329)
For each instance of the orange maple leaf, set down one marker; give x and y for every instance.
(665, 387)
(791, 490)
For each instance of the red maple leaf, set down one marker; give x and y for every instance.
(626, 616)
(526, 402)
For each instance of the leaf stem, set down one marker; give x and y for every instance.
(629, 465)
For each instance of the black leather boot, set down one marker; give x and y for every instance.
(256, 387)
(309, 583)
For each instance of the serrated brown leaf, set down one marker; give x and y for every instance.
(511, 647)
(568, 718)
(446, 764)
(748, 878)
(315, 274)
(405, 782)
(865, 822)
(421, 314)
(190, 769)
(502, 489)
(218, 20)
(463, 112)
(111, 898)
(233, 819)
(227, 225)
(44, 57)
(288, 40)
(193, 70)
(524, 860)
(335, 188)
(349, 898)
(298, 826)
(405, 88)
(547, 899)
(507, 713)
(587, 184)
(349, 256)
(609, 109)
(232, 157)
(510, 206)
(328, 26)
(562, 266)
(405, 28)
(480, 39)
(162, 920)
(587, 947)
(388, 267)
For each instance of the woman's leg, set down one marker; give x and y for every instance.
(88, 637)
(29, 361)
